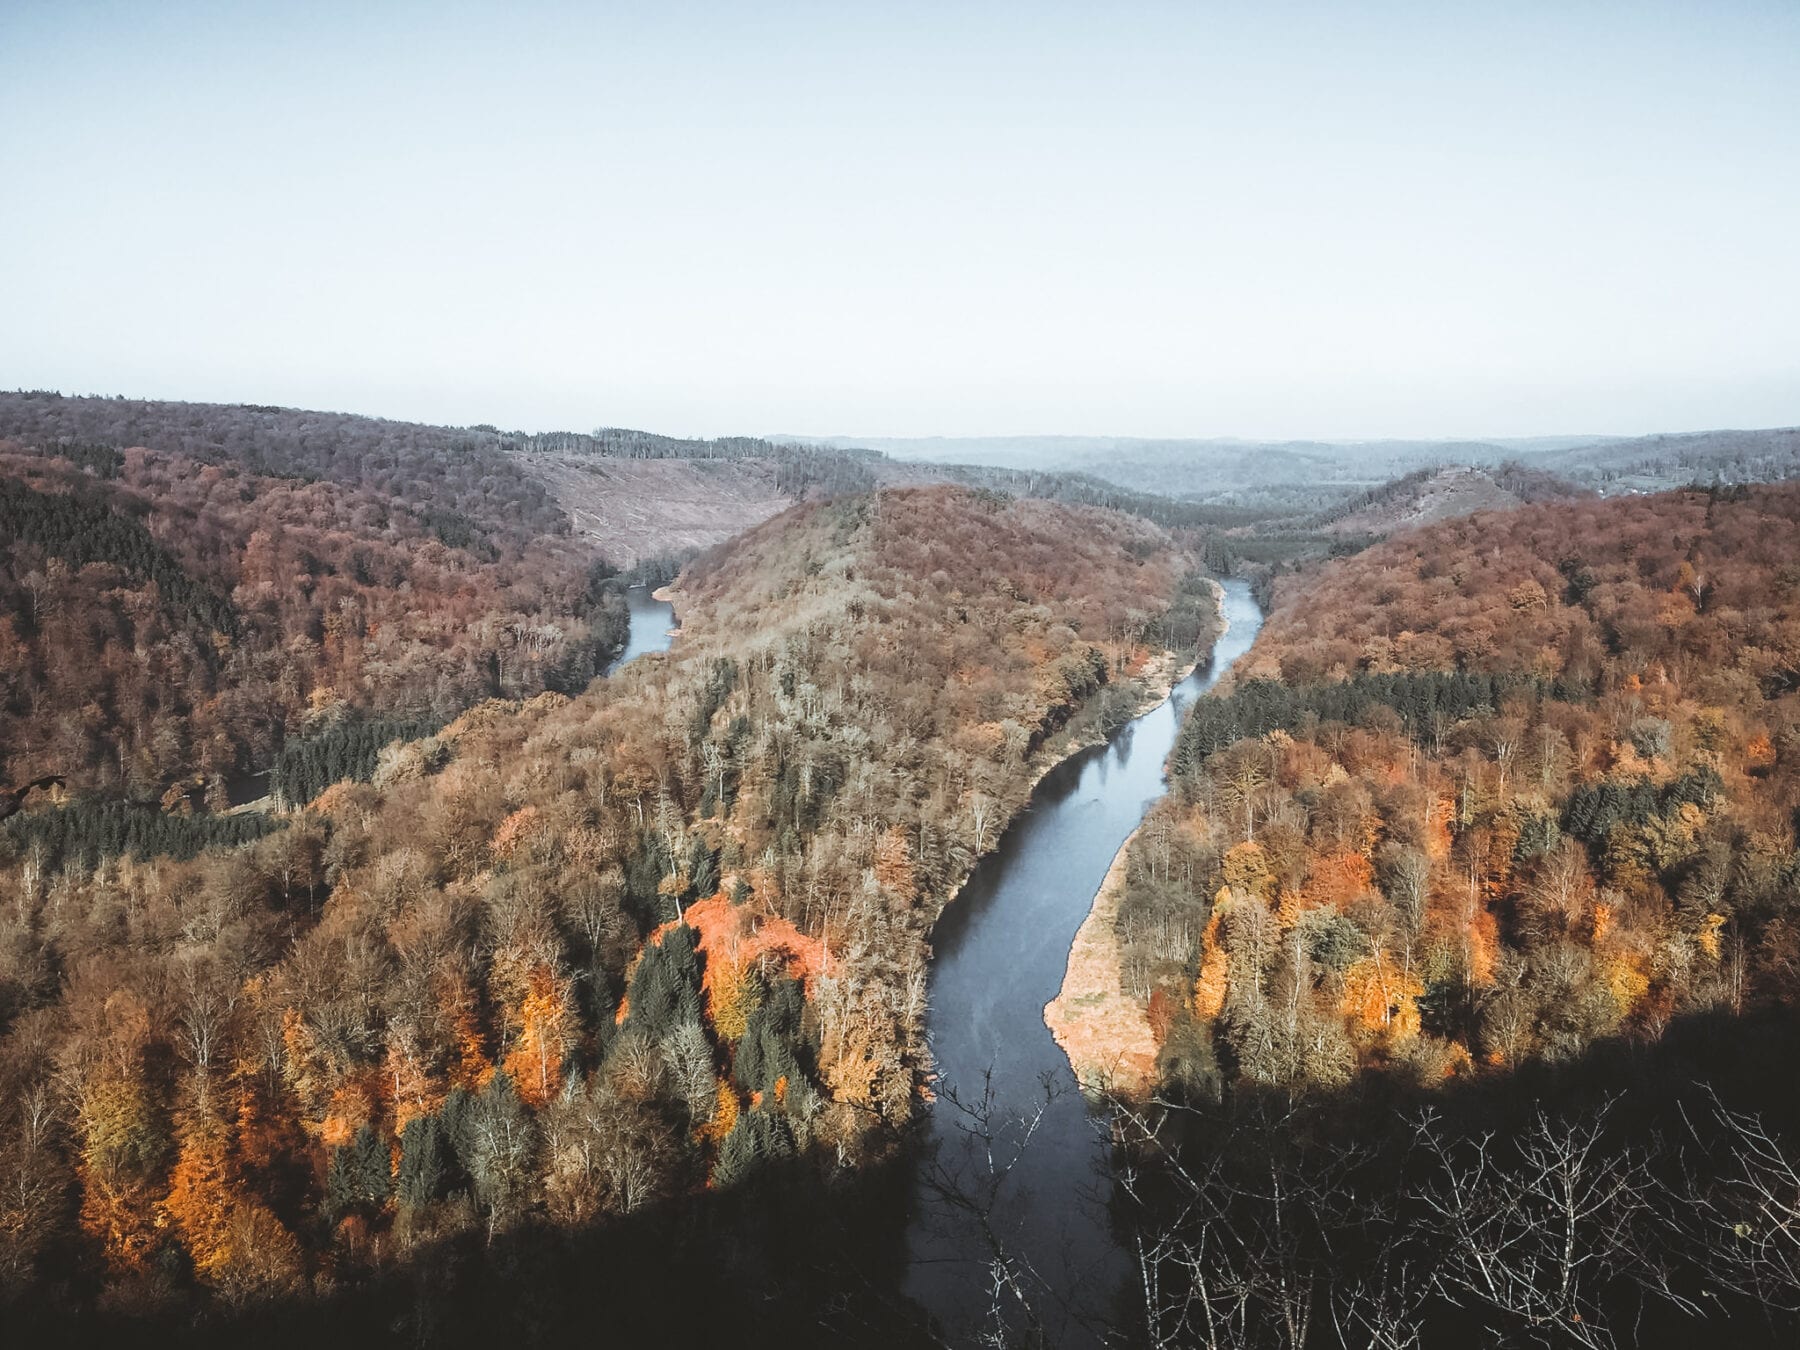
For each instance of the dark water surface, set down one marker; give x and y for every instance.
(652, 626)
(1000, 951)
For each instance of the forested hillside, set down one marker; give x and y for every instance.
(463, 473)
(1496, 796)
(169, 620)
(1298, 478)
(1649, 462)
(632, 495)
(193, 591)
(1517, 782)
(1436, 493)
(569, 958)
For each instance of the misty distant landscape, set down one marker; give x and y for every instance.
(1281, 472)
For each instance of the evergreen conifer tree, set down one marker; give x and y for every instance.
(665, 991)
(359, 1180)
(425, 1161)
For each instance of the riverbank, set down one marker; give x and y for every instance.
(1168, 674)
(999, 953)
(1104, 1031)
(1155, 683)
(654, 623)
(673, 599)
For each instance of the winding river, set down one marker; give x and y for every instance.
(652, 627)
(1000, 950)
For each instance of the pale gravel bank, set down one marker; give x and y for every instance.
(1103, 1030)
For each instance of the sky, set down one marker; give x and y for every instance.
(1262, 220)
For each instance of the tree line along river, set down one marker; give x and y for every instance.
(1009, 1131)
(1035, 1174)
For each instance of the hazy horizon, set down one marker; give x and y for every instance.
(926, 437)
(1403, 221)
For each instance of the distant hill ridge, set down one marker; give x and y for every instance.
(1304, 474)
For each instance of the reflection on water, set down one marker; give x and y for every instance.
(1000, 952)
(652, 626)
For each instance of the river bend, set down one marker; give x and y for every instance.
(1000, 951)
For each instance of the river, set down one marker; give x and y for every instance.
(1000, 951)
(652, 627)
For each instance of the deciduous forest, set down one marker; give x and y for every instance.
(171, 618)
(1067, 700)
(565, 960)
(1469, 929)
(367, 961)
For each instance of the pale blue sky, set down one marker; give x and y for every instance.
(1154, 219)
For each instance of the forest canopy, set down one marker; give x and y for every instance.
(1489, 792)
(171, 616)
(562, 959)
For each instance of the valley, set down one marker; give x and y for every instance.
(900, 677)
(411, 910)
(1009, 1135)
(667, 934)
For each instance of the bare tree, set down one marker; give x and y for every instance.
(971, 1179)
(206, 1000)
(1535, 1237)
(1750, 1224)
